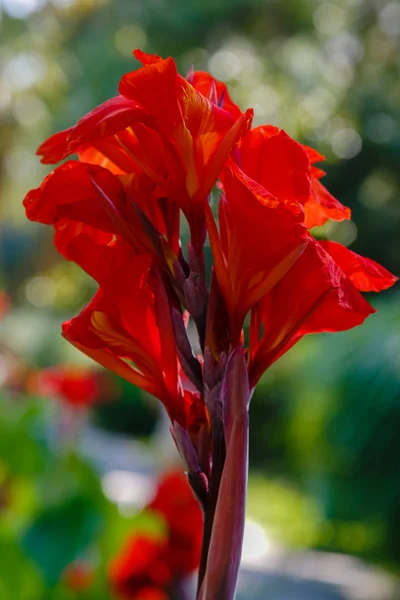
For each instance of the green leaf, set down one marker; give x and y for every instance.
(59, 534)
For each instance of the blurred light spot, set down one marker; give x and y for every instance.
(127, 489)
(319, 105)
(70, 290)
(300, 57)
(337, 76)
(378, 189)
(316, 134)
(5, 97)
(25, 70)
(344, 50)
(40, 291)
(224, 64)
(389, 19)
(381, 128)
(196, 58)
(129, 37)
(264, 98)
(344, 232)
(21, 9)
(28, 109)
(346, 143)
(4, 369)
(63, 4)
(328, 18)
(250, 65)
(255, 543)
(20, 163)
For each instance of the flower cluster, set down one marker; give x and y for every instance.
(146, 157)
(151, 567)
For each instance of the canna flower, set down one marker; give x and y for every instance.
(153, 151)
(97, 226)
(162, 124)
(271, 252)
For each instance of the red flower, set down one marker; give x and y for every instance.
(4, 304)
(141, 571)
(157, 564)
(163, 124)
(174, 500)
(75, 386)
(269, 263)
(78, 576)
(127, 327)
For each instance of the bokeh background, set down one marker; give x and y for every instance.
(325, 421)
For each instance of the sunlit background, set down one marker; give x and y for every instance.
(324, 490)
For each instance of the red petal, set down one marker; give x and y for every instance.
(105, 120)
(366, 274)
(314, 296)
(313, 155)
(204, 83)
(154, 87)
(249, 216)
(146, 59)
(277, 162)
(107, 153)
(95, 251)
(68, 192)
(55, 147)
(321, 206)
(122, 323)
(219, 153)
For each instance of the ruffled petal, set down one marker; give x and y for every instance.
(105, 120)
(366, 274)
(314, 296)
(68, 192)
(276, 161)
(321, 206)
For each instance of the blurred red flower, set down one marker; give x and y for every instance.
(141, 570)
(174, 500)
(76, 386)
(148, 563)
(78, 576)
(4, 303)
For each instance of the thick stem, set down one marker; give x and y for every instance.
(218, 461)
(225, 547)
(180, 591)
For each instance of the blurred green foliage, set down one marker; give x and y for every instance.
(334, 407)
(325, 420)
